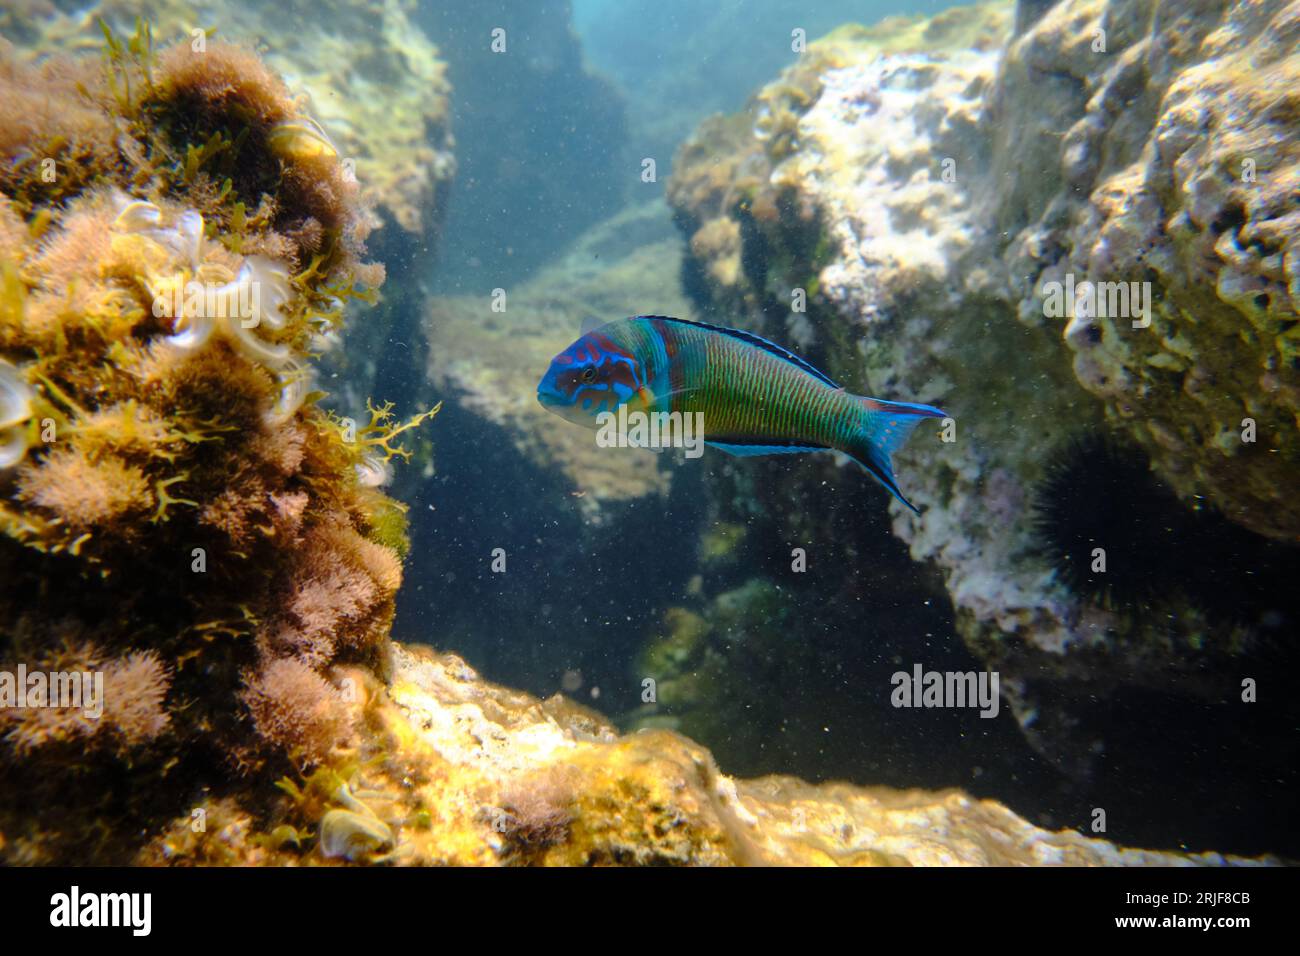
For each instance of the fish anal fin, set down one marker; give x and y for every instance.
(747, 449)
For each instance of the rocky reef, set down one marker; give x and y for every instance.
(179, 516)
(1178, 167)
(365, 71)
(930, 188)
(182, 517)
(656, 59)
(369, 87)
(453, 770)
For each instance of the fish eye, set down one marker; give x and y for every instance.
(589, 374)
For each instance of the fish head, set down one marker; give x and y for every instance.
(593, 375)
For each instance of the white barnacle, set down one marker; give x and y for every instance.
(324, 336)
(192, 332)
(189, 237)
(250, 300)
(352, 836)
(15, 411)
(301, 138)
(183, 239)
(276, 290)
(325, 341)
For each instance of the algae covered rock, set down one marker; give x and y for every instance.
(366, 73)
(369, 89)
(163, 453)
(907, 207)
(1175, 179)
(177, 514)
(455, 770)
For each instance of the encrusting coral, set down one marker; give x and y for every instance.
(177, 514)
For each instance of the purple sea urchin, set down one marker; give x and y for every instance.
(1119, 537)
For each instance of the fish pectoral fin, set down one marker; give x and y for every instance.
(748, 449)
(678, 391)
(648, 400)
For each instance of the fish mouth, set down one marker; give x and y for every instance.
(554, 404)
(559, 406)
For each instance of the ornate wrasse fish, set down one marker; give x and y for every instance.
(756, 398)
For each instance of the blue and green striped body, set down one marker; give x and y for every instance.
(755, 398)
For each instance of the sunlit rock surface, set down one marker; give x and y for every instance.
(453, 770)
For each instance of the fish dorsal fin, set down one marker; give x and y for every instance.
(755, 340)
(591, 323)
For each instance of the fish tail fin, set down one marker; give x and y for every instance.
(884, 429)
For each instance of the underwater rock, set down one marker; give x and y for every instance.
(540, 137)
(455, 770)
(919, 186)
(371, 96)
(658, 63)
(1177, 174)
(165, 267)
(176, 467)
(713, 667)
(375, 91)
